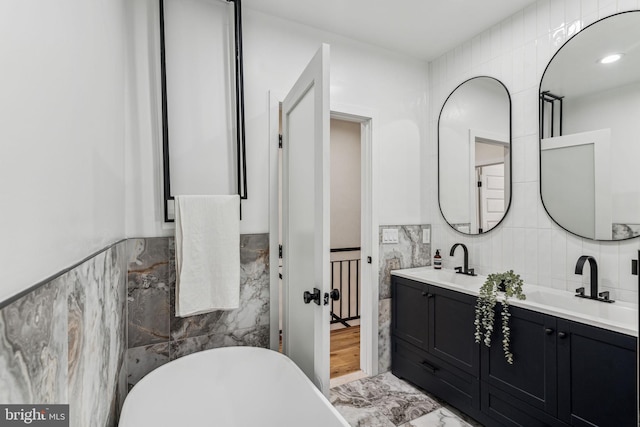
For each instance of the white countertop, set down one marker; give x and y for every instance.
(618, 316)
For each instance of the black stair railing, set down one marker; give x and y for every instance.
(345, 277)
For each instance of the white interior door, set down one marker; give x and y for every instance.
(492, 202)
(305, 219)
(487, 149)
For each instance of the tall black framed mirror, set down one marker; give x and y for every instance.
(474, 155)
(590, 131)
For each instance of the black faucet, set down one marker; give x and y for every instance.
(602, 296)
(463, 270)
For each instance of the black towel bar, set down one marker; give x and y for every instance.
(240, 125)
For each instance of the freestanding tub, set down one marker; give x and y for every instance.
(227, 387)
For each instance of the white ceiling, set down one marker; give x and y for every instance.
(420, 28)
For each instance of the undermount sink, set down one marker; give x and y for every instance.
(619, 312)
(619, 316)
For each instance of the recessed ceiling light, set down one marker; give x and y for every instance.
(611, 58)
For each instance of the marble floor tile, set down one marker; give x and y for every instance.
(358, 375)
(439, 418)
(401, 402)
(381, 400)
(364, 417)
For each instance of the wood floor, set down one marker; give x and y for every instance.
(345, 351)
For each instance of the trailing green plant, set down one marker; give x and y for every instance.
(509, 283)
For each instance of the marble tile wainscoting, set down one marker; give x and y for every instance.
(156, 336)
(89, 334)
(409, 252)
(65, 341)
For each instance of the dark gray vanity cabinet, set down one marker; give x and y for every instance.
(564, 372)
(437, 321)
(525, 392)
(432, 342)
(596, 376)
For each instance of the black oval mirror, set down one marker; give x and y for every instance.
(590, 132)
(474, 155)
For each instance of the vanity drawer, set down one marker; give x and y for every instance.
(509, 411)
(450, 384)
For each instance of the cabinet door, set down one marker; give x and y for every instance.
(409, 311)
(451, 329)
(532, 376)
(596, 376)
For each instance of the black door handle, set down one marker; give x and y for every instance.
(315, 296)
(334, 295)
(562, 335)
(548, 331)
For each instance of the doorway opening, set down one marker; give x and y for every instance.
(490, 159)
(351, 224)
(490, 177)
(345, 257)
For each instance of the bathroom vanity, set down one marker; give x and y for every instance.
(566, 371)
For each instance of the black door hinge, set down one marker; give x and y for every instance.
(279, 141)
(279, 251)
(368, 260)
(479, 184)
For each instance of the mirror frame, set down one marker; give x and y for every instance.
(540, 114)
(506, 211)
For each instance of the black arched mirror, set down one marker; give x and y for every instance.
(590, 131)
(474, 155)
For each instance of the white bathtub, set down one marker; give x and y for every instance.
(227, 387)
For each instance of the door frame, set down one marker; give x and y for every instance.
(477, 135)
(369, 226)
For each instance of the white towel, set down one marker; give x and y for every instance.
(207, 254)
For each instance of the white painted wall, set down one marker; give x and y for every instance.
(62, 135)
(276, 51)
(345, 184)
(516, 51)
(201, 97)
(489, 154)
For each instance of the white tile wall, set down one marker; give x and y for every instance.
(516, 52)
